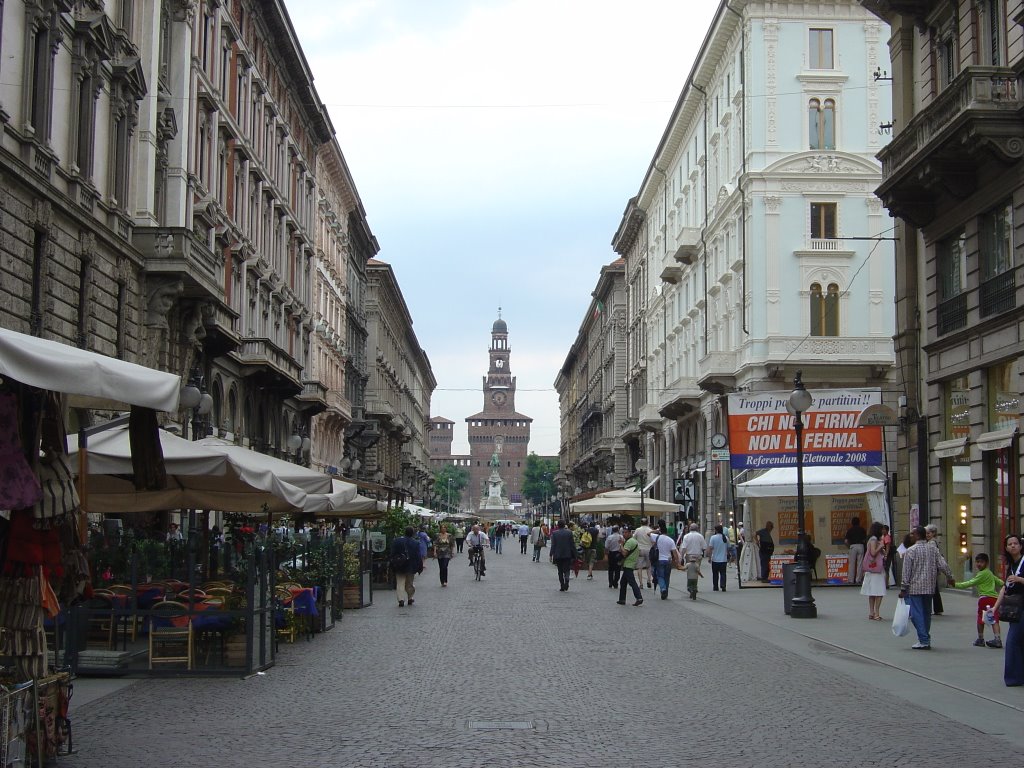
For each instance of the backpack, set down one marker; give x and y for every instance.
(586, 539)
(399, 557)
(653, 555)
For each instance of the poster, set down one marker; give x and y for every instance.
(775, 567)
(788, 519)
(836, 569)
(844, 509)
(761, 433)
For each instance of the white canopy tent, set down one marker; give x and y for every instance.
(419, 511)
(100, 381)
(819, 481)
(625, 501)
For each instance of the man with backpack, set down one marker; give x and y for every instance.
(589, 541)
(406, 562)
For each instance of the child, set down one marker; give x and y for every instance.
(988, 585)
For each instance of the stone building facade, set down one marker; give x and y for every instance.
(952, 177)
(749, 248)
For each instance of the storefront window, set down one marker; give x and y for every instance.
(956, 471)
(1004, 395)
(958, 414)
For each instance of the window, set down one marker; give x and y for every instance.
(951, 262)
(824, 310)
(995, 230)
(40, 87)
(994, 28)
(823, 221)
(821, 124)
(820, 49)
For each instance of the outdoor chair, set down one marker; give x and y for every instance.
(170, 634)
(285, 620)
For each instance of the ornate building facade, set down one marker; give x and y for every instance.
(749, 248)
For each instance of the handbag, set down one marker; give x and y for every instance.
(1011, 607)
(60, 497)
(874, 563)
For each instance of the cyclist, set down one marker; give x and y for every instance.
(477, 542)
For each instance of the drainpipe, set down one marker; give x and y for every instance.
(743, 169)
(703, 230)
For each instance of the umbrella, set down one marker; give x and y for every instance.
(625, 501)
(200, 477)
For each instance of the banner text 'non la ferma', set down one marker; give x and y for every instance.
(761, 434)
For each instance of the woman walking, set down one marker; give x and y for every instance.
(443, 550)
(1013, 660)
(873, 584)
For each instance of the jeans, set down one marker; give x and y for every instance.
(458, 544)
(1013, 658)
(718, 575)
(536, 553)
(921, 617)
(564, 566)
(614, 568)
(497, 544)
(442, 564)
(664, 574)
(628, 579)
(522, 544)
(404, 585)
(766, 558)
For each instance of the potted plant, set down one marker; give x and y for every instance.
(351, 592)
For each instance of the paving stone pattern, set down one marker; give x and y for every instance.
(512, 673)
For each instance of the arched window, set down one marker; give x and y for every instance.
(821, 125)
(824, 310)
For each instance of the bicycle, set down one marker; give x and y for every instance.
(476, 556)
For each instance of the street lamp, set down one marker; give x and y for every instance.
(641, 468)
(449, 495)
(803, 607)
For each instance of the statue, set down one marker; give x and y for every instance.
(494, 461)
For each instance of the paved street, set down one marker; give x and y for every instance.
(584, 681)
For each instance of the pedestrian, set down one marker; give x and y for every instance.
(524, 537)
(613, 551)
(718, 553)
(563, 551)
(740, 539)
(987, 584)
(460, 537)
(889, 555)
(499, 534)
(631, 557)
(765, 548)
(477, 538)
(406, 562)
(443, 552)
(921, 566)
(932, 532)
(174, 534)
(1013, 660)
(664, 556)
(644, 569)
(873, 583)
(424, 540)
(588, 539)
(538, 539)
(856, 538)
(692, 547)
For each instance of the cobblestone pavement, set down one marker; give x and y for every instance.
(592, 683)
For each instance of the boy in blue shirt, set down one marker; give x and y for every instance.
(988, 585)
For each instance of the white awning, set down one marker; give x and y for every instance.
(62, 368)
(994, 441)
(948, 449)
(817, 481)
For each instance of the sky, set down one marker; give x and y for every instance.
(495, 145)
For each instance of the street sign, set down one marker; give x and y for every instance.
(878, 415)
(719, 454)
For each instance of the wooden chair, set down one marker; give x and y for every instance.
(284, 609)
(169, 643)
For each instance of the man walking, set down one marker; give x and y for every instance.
(692, 550)
(921, 565)
(613, 551)
(524, 537)
(537, 539)
(460, 537)
(645, 563)
(631, 556)
(589, 541)
(765, 548)
(718, 551)
(406, 563)
(664, 555)
(563, 550)
(856, 539)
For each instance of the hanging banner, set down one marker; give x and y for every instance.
(761, 434)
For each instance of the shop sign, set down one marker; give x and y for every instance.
(719, 454)
(761, 434)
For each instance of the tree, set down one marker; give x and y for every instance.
(539, 479)
(450, 495)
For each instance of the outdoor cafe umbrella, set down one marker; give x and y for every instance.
(624, 501)
(197, 477)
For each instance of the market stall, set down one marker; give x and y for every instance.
(832, 497)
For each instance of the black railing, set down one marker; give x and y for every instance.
(998, 294)
(952, 313)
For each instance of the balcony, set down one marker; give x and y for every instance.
(681, 400)
(272, 366)
(952, 314)
(717, 372)
(592, 411)
(936, 155)
(688, 239)
(650, 419)
(671, 272)
(313, 397)
(338, 404)
(997, 294)
(175, 251)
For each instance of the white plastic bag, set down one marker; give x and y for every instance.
(901, 618)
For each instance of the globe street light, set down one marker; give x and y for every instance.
(803, 607)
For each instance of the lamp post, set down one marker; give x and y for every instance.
(449, 496)
(641, 468)
(803, 607)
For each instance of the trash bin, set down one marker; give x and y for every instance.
(788, 586)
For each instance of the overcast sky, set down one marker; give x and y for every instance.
(495, 144)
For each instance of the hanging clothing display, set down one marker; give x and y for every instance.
(19, 486)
